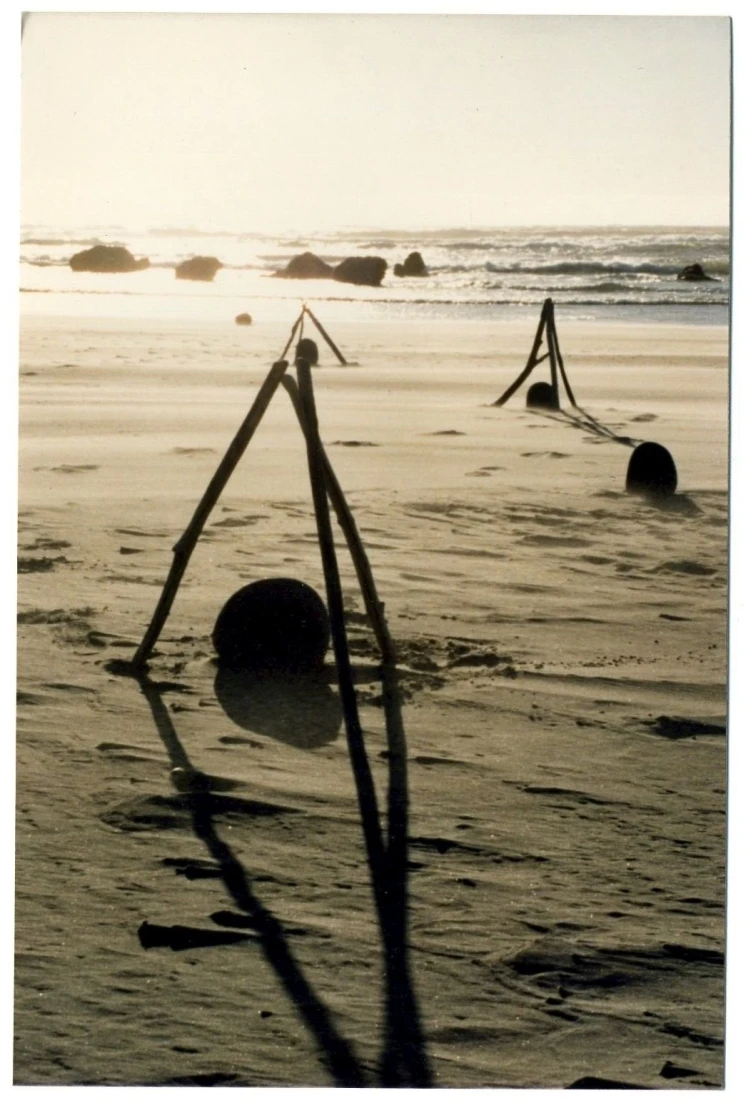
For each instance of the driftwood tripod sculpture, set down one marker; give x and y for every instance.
(543, 394)
(324, 484)
(404, 1061)
(651, 470)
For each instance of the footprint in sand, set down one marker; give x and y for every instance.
(46, 544)
(683, 566)
(70, 468)
(77, 617)
(238, 522)
(355, 443)
(30, 565)
(156, 813)
(555, 541)
(141, 533)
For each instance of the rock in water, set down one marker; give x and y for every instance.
(198, 268)
(694, 274)
(306, 266)
(107, 258)
(413, 265)
(651, 471)
(275, 624)
(361, 270)
(541, 396)
(307, 350)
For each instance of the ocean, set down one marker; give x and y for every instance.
(613, 273)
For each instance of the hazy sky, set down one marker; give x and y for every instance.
(262, 122)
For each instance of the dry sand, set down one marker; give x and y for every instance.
(562, 660)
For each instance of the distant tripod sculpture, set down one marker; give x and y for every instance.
(543, 395)
(651, 470)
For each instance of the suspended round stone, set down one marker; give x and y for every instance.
(275, 624)
(307, 350)
(651, 471)
(541, 396)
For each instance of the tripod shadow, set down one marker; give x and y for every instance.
(336, 1052)
(403, 1061)
(584, 420)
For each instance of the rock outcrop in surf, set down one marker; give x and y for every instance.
(306, 266)
(694, 273)
(107, 258)
(198, 268)
(362, 270)
(359, 270)
(413, 265)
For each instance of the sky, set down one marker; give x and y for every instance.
(259, 122)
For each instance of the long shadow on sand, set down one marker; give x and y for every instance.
(582, 419)
(403, 1061)
(342, 1063)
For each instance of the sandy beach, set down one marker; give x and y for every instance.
(562, 673)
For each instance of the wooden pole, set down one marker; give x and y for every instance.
(566, 384)
(292, 333)
(324, 334)
(553, 358)
(375, 608)
(362, 774)
(530, 362)
(185, 546)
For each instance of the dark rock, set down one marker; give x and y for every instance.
(306, 266)
(541, 396)
(244, 319)
(185, 938)
(651, 471)
(361, 270)
(307, 350)
(198, 268)
(107, 258)
(694, 273)
(274, 624)
(412, 266)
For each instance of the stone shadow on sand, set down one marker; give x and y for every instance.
(403, 1061)
(300, 710)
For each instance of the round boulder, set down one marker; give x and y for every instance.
(541, 396)
(651, 471)
(307, 350)
(244, 320)
(277, 625)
